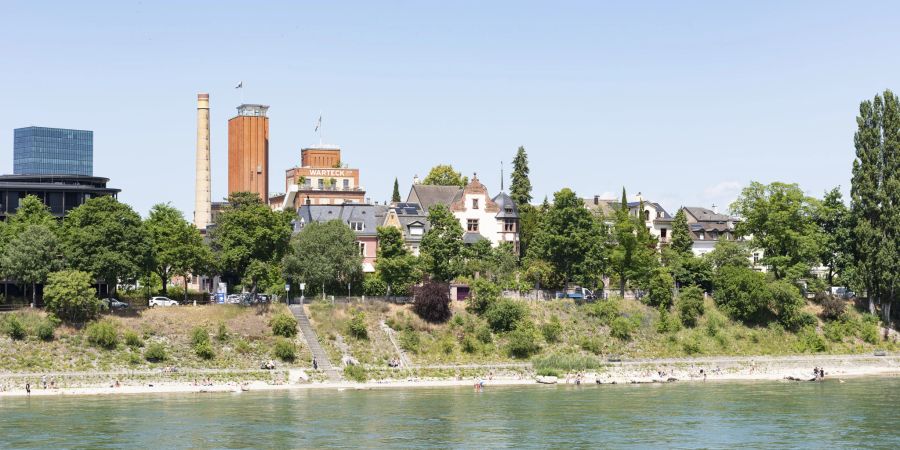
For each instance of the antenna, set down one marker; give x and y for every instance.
(501, 176)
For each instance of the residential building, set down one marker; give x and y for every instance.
(655, 217)
(363, 219)
(61, 193)
(53, 151)
(411, 220)
(708, 227)
(321, 179)
(248, 151)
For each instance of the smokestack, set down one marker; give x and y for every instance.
(202, 195)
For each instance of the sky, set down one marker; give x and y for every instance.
(685, 102)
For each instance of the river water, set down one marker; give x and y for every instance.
(862, 412)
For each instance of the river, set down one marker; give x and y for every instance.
(861, 412)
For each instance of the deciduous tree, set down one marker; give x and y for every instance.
(442, 245)
(444, 175)
(395, 265)
(324, 254)
(633, 256)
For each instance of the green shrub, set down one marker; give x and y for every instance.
(548, 372)
(523, 341)
(504, 314)
(552, 329)
(155, 352)
(470, 344)
(622, 327)
(199, 336)
(133, 340)
(660, 290)
(69, 295)
(14, 327)
(606, 311)
(788, 302)
(242, 347)
(447, 345)
(742, 293)
(356, 373)
(810, 341)
(484, 294)
(690, 305)
(285, 350)
(566, 362)
(373, 286)
(134, 358)
(714, 323)
(484, 335)
(666, 322)
(691, 345)
(103, 334)
(204, 350)
(592, 345)
(222, 334)
(356, 327)
(868, 330)
(456, 321)
(44, 330)
(284, 325)
(409, 340)
(432, 302)
(834, 331)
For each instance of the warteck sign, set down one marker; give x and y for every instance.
(328, 173)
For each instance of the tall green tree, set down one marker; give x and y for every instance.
(395, 196)
(633, 256)
(832, 217)
(520, 188)
(175, 244)
(31, 255)
(779, 217)
(246, 231)
(324, 254)
(445, 175)
(529, 223)
(571, 240)
(442, 245)
(682, 242)
(106, 239)
(395, 265)
(875, 201)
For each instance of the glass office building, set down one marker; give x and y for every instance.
(53, 151)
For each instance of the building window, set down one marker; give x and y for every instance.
(321, 183)
(472, 225)
(475, 204)
(509, 225)
(755, 259)
(362, 248)
(346, 184)
(647, 215)
(701, 236)
(714, 235)
(659, 214)
(415, 230)
(357, 226)
(662, 233)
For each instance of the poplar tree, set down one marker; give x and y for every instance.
(520, 188)
(395, 197)
(633, 255)
(681, 234)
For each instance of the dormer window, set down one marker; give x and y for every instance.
(357, 226)
(647, 215)
(474, 203)
(415, 230)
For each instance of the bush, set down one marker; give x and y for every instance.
(69, 295)
(199, 336)
(222, 334)
(551, 330)
(810, 341)
(484, 294)
(432, 302)
(133, 340)
(409, 340)
(834, 331)
(242, 347)
(606, 311)
(742, 293)
(447, 345)
(356, 327)
(373, 286)
(566, 362)
(134, 359)
(44, 330)
(788, 302)
(14, 327)
(470, 344)
(622, 327)
(204, 350)
(484, 335)
(523, 341)
(869, 329)
(503, 315)
(284, 325)
(690, 305)
(832, 307)
(691, 345)
(666, 322)
(356, 373)
(660, 290)
(285, 350)
(103, 334)
(155, 352)
(592, 345)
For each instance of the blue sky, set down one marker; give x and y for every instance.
(683, 101)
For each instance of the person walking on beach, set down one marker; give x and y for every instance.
(28, 388)
(315, 363)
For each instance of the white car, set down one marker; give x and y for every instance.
(162, 301)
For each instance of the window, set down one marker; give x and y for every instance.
(362, 248)
(475, 204)
(701, 236)
(357, 226)
(662, 233)
(509, 225)
(755, 259)
(415, 230)
(659, 214)
(346, 184)
(472, 225)
(321, 183)
(647, 215)
(714, 235)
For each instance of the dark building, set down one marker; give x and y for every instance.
(59, 192)
(53, 151)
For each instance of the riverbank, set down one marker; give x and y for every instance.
(708, 369)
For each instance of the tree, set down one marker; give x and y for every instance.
(520, 188)
(780, 219)
(690, 305)
(432, 302)
(395, 197)
(323, 254)
(633, 255)
(660, 289)
(743, 294)
(70, 297)
(395, 266)
(106, 239)
(571, 240)
(682, 242)
(529, 223)
(832, 216)
(175, 244)
(729, 254)
(31, 255)
(444, 175)
(874, 201)
(248, 230)
(442, 245)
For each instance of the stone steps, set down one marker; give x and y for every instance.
(312, 341)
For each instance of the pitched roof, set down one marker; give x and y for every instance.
(346, 213)
(474, 188)
(505, 202)
(604, 206)
(657, 206)
(701, 214)
(428, 195)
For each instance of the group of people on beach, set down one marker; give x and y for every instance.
(819, 373)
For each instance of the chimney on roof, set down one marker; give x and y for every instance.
(715, 208)
(415, 179)
(596, 200)
(368, 200)
(640, 198)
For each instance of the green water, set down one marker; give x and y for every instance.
(858, 413)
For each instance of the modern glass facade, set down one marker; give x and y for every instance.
(53, 151)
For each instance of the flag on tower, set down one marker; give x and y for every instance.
(240, 85)
(318, 123)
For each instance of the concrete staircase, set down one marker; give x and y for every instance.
(312, 341)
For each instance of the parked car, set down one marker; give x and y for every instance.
(233, 299)
(263, 298)
(162, 301)
(114, 304)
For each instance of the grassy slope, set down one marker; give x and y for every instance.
(248, 343)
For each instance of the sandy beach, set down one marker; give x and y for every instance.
(710, 369)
